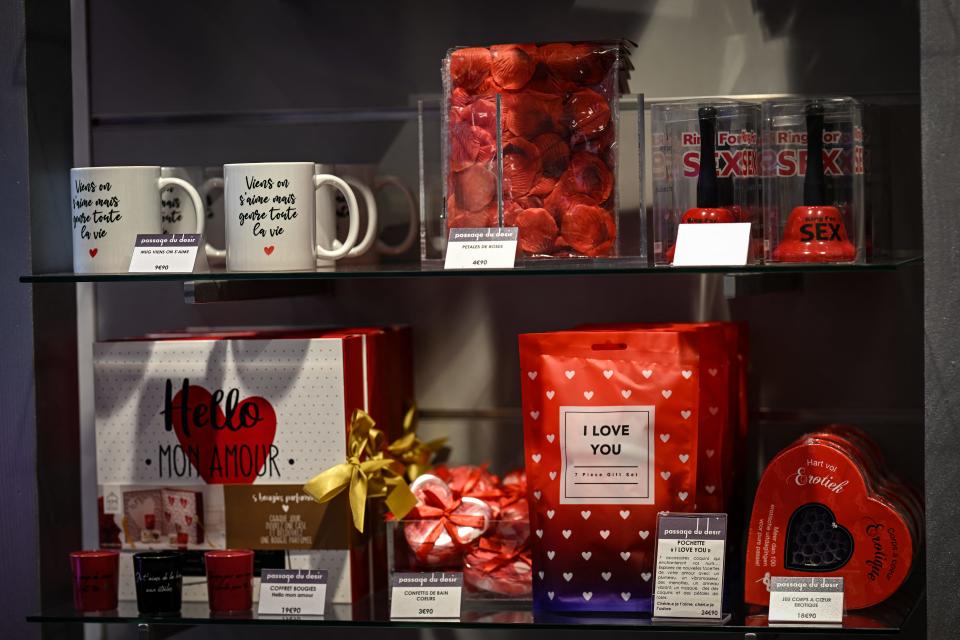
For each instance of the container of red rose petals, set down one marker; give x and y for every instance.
(530, 140)
(687, 190)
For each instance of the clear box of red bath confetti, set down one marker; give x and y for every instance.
(542, 137)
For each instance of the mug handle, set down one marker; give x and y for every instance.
(211, 184)
(371, 235)
(163, 183)
(413, 219)
(323, 180)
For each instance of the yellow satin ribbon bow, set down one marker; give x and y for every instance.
(374, 477)
(410, 450)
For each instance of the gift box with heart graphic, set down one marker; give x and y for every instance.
(231, 428)
(825, 507)
(142, 516)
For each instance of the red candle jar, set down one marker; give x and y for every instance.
(229, 579)
(95, 580)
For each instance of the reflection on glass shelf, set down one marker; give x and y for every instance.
(882, 619)
(435, 269)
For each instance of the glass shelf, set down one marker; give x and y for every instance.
(880, 620)
(435, 270)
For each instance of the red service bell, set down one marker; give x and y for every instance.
(815, 234)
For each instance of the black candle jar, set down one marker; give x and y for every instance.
(159, 581)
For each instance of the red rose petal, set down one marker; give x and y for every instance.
(585, 228)
(543, 188)
(511, 210)
(474, 187)
(559, 201)
(538, 230)
(512, 65)
(554, 154)
(469, 67)
(531, 113)
(580, 63)
(587, 113)
(469, 145)
(521, 167)
(589, 175)
(460, 218)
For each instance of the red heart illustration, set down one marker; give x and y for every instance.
(268, 250)
(817, 509)
(93, 252)
(170, 500)
(183, 502)
(188, 520)
(225, 455)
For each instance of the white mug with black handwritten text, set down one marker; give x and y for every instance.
(271, 216)
(110, 206)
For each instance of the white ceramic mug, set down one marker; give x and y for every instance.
(271, 216)
(365, 180)
(110, 206)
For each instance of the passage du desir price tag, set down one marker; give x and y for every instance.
(482, 248)
(688, 576)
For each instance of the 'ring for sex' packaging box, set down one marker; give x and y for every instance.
(204, 441)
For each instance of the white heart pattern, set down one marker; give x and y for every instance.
(712, 372)
(709, 453)
(625, 555)
(664, 437)
(683, 496)
(540, 573)
(714, 410)
(537, 494)
(536, 458)
(665, 475)
(606, 575)
(586, 555)
(550, 514)
(684, 457)
(625, 514)
(570, 374)
(567, 533)
(534, 414)
(585, 515)
(539, 533)
(553, 475)
(551, 554)
(625, 595)
(666, 393)
(550, 394)
(605, 533)
(686, 413)
(568, 576)
(550, 594)
(646, 373)
(587, 595)
(608, 373)
(644, 534)
(532, 375)
(626, 393)
(710, 489)
(646, 575)
(588, 395)
(550, 437)
(686, 373)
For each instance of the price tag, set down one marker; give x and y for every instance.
(688, 577)
(704, 245)
(426, 595)
(483, 248)
(806, 599)
(161, 253)
(293, 592)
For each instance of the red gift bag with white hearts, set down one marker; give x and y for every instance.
(610, 435)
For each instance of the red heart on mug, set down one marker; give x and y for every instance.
(269, 250)
(226, 454)
(93, 252)
(816, 513)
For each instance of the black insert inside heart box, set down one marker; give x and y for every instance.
(815, 541)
